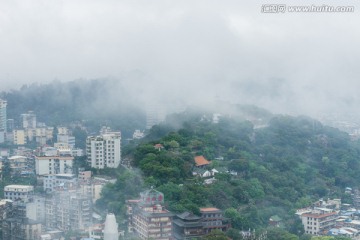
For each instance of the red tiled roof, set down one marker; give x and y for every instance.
(201, 161)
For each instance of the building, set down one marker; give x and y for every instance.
(68, 210)
(49, 151)
(104, 150)
(149, 218)
(21, 229)
(3, 116)
(18, 164)
(63, 131)
(65, 138)
(212, 219)
(138, 134)
(5, 210)
(53, 165)
(96, 232)
(201, 161)
(155, 113)
(10, 125)
(19, 137)
(28, 120)
(316, 222)
(59, 182)
(22, 193)
(187, 226)
(43, 134)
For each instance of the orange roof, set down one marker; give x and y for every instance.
(210, 209)
(201, 161)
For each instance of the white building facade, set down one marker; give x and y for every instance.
(3, 120)
(104, 151)
(23, 193)
(53, 165)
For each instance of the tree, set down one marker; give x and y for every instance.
(280, 234)
(216, 235)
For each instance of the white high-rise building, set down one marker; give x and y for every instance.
(104, 150)
(3, 119)
(111, 228)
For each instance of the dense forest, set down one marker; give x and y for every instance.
(282, 166)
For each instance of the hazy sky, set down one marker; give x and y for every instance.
(193, 49)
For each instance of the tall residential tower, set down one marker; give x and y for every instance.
(3, 119)
(104, 150)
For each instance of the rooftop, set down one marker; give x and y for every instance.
(314, 215)
(201, 161)
(19, 186)
(54, 157)
(209, 209)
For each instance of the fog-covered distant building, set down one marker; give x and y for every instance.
(155, 113)
(21, 229)
(104, 150)
(3, 118)
(10, 125)
(138, 134)
(68, 210)
(66, 138)
(28, 120)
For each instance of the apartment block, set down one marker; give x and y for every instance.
(59, 182)
(316, 222)
(21, 229)
(68, 210)
(104, 150)
(22, 193)
(53, 165)
(19, 137)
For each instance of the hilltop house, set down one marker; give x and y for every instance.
(201, 162)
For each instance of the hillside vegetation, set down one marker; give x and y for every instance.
(283, 166)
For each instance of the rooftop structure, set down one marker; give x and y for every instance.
(200, 161)
(149, 218)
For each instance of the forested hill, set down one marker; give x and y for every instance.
(281, 167)
(101, 101)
